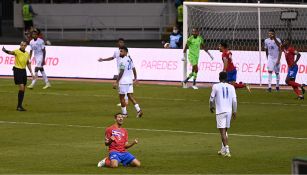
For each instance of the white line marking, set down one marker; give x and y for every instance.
(154, 98)
(153, 130)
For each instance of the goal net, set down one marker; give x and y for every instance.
(244, 26)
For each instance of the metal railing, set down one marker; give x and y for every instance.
(97, 1)
(100, 26)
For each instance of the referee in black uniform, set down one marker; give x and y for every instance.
(22, 60)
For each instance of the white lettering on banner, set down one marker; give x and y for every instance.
(151, 64)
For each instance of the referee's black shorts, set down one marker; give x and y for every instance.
(20, 76)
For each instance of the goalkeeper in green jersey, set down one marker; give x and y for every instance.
(194, 44)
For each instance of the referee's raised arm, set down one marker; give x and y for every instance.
(7, 51)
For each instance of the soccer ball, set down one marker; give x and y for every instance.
(166, 45)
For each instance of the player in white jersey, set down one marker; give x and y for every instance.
(127, 75)
(223, 100)
(38, 46)
(116, 55)
(273, 53)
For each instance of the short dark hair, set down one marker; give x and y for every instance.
(115, 115)
(272, 30)
(124, 48)
(223, 76)
(121, 39)
(224, 44)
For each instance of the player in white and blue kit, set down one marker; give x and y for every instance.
(124, 82)
(116, 55)
(223, 100)
(38, 46)
(273, 53)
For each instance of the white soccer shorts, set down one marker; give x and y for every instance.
(223, 120)
(39, 61)
(272, 65)
(125, 89)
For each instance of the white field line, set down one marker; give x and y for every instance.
(153, 130)
(154, 98)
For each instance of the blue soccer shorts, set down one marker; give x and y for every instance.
(232, 76)
(292, 71)
(125, 157)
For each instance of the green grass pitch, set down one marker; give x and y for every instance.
(63, 130)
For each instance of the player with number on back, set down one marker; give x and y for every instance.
(290, 53)
(223, 99)
(273, 53)
(230, 68)
(194, 44)
(127, 75)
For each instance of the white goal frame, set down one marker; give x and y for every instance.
(214, 4)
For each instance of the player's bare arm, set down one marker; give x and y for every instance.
(276, 41)
(31, 52)
(7, 51)
(298, 56)
(211, 104)
(234, 115)
(266, 53)
(203, 46)
(30, 69)
(234, 108)
(279, 56)
(129, 145)
(120, 75)
(225, 64)
(135, 75)
(185, 48)
(105, 59)
(108, 141)
(44, 57)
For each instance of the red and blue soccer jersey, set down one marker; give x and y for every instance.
(290, 54)
(228, 55)
(121, 137)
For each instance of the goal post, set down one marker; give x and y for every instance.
(244, 26)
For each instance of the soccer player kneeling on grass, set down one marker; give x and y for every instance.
(116, 138)
(223, 99)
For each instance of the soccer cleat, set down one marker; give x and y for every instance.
(227, 154)
(194, 87)
(48, 85)
(277, 89)
(269, 89)
(30, 86)
(184, 85)
(303, 89)
(20, 108)
(101, 163)
(125, 115)
(221, 152)
(248, 88)
(300, 98)
(139, 114)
